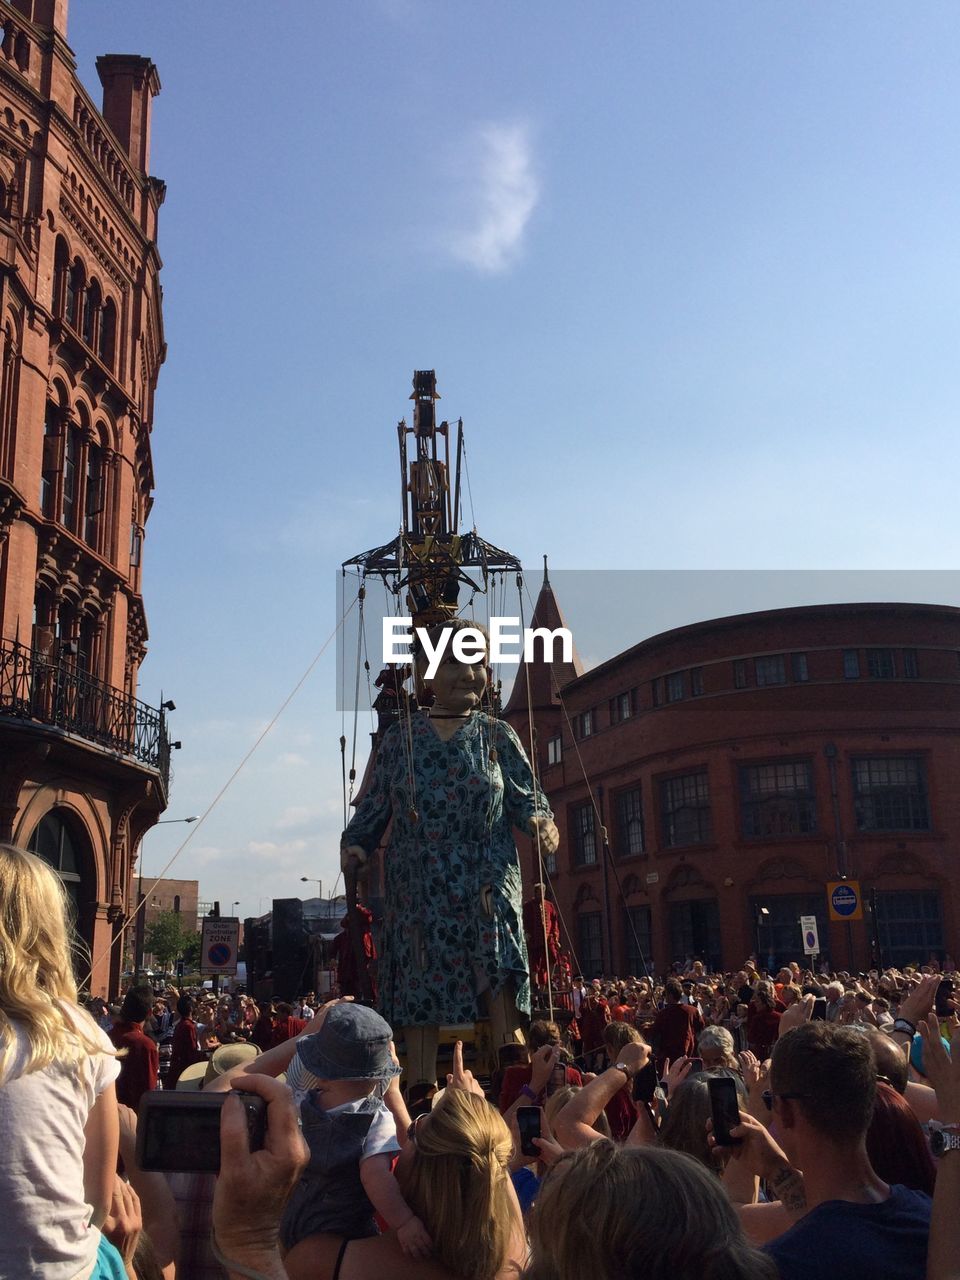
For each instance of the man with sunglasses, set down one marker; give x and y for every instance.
(847, 1222)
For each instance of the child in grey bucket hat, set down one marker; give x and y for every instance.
(339, 1076)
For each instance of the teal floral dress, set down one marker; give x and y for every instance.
(452, 924)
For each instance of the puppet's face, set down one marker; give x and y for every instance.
(459, 686)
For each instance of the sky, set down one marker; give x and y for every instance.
(688, 272)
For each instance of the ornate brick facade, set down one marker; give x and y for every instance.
(83, 765)
(737, 767)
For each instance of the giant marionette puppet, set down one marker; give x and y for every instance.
(451, 783)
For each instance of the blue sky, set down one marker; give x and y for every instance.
(689, 273)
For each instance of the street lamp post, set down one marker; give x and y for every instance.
(311, 880)
(762, 917)
(141, 908)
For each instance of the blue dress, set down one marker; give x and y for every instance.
(452, 924)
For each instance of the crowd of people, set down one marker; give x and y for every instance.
(594, 1149)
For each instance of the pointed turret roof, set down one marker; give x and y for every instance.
(545, 677)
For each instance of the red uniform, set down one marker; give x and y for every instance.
(594, 1016)
(539, 916)
(348, 973)
(675, 1031)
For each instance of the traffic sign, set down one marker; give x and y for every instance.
(218, 949)
(811, 938)
(844, 899)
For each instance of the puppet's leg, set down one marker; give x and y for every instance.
(506, 1022)
(421, 1045)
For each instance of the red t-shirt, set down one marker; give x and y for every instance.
(621, 1112)
(185, 1050)
(140, 1067)
(286, 1028)
(593, 1017)
(675, 1031)
(514, 1078)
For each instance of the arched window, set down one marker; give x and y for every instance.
(61, 269)
(58, 842)
(52, 461)
(94, 488)
(44, 621)
(87, 644)
(70, 483)
(108, 333)
(91, 314)
(76, 279)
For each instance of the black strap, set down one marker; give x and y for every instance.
(343, 1250)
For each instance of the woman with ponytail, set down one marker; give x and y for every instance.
(454, 1175)
(59, 1126)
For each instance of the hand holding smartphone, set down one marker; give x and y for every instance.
(528, 1122)
(724, 1110)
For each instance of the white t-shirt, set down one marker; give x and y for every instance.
(46, 1231)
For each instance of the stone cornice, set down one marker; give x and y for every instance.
(95, 244)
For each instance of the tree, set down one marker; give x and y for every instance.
(191, 952)
(166, 938)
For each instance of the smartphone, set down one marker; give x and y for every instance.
(696, 1064)
(819, 1009)
(645, 1083)
(180, 1132)
(724, 1109)
(558, 1079)
(942, 1003)
(528, 1122)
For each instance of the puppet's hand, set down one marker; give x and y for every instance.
(549, 835)
(352, 857)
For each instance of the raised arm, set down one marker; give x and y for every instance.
(573, 1125)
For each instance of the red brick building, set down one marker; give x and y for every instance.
(737, 767)
(83, 765)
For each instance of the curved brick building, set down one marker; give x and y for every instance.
(741, 765)
(83, 765)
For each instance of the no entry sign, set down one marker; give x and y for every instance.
(218, 950)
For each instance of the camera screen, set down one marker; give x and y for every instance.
(180, 1133)
(182, 1138)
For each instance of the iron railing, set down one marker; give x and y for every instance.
(33, 686)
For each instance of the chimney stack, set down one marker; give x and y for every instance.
(129, 85)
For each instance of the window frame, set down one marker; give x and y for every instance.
(753, 802)
(767, 676)
(624, 821)
(864, 800)
(699, 805)
(583, 826)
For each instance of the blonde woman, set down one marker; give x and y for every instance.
(453, 1172)
(59, 1125)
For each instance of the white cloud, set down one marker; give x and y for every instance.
(291, 760)
(502, 193)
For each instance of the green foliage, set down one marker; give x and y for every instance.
(166, 938)
(191, 952)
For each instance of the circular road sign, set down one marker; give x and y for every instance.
(844, 900)
(811, 938)
(219, 953)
